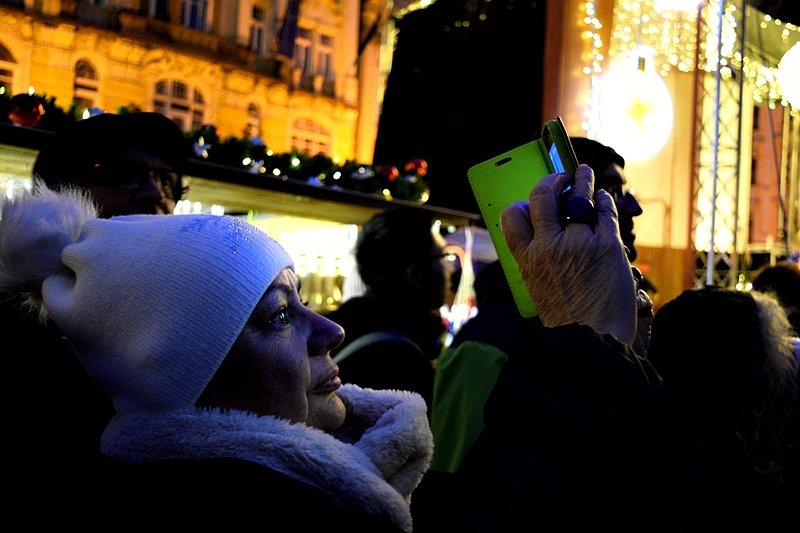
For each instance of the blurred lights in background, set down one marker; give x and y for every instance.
(788, 75)
(633, 110)
(667, 30)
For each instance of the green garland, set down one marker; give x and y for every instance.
(252, 155)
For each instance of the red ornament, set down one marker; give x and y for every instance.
(417, 165)
(25, 110)
(390, 172)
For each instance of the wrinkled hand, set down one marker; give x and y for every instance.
(576, 273)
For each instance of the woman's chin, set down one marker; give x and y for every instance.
(326, 412)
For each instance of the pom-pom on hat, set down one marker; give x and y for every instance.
(150, 303)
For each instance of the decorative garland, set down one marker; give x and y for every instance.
(250, 154)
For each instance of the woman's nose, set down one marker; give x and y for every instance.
(326, 335)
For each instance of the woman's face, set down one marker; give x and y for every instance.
(280, 364)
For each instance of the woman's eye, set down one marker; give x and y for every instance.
(281, 318)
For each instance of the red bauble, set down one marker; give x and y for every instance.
(25, 110)
(390, 172)
(417, 165)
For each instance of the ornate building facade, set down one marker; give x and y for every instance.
(297, 74)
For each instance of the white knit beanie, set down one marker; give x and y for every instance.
(151, 303)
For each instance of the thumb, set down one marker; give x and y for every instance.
(515, 221)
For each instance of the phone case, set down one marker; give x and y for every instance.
(499, 182)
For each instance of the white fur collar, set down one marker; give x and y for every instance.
(377, 473)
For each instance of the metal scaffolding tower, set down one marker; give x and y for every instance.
(717, 147)
(722, 163)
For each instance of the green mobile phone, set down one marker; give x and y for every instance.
(509, 178)
(558, 146)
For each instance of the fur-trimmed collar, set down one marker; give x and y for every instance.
(376, 473)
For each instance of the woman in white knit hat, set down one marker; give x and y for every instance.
(229, 409)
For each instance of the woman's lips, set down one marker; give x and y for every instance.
(329, 385)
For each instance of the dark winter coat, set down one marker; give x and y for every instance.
(575, 440)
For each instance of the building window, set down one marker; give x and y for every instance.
(194, 14)
(310, 137)
(183, 104)
(7, 68)
(325, 57)
(313, 57)
(258, 31)
(253, 128)
(302, 51)
(85, 87)
(159, 10)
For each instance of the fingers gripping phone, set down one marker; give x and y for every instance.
(508, 178)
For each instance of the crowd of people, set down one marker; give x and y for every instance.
(172, 371)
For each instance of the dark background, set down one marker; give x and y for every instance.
(466, 84)
(462, 88)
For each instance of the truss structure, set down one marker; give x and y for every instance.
(722, 161)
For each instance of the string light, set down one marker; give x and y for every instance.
(593, 66)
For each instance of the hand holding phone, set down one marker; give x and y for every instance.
(574, 208)
(509, 178)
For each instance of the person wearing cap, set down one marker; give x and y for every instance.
(576, 431)
(468, 369)
(609, 168)
(131, 163)
(229, 409)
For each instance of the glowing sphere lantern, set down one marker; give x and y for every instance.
(633, 111)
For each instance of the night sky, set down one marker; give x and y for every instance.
(457, 95)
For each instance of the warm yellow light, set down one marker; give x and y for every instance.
(633, 110)
(788, 75)
(669, 31)
(686, 6)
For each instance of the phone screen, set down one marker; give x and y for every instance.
(559, 148)
(555, 158)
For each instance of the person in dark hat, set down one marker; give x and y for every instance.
(131, 163)
(468, 369)
(574, 430)
(609, 169)
(25, 110)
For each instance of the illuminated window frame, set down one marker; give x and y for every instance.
(8, 68)
(183, 104)
(310, 137)
(258, 30)
(253, 128)
(86, 85)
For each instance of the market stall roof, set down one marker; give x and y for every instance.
(241, 192)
